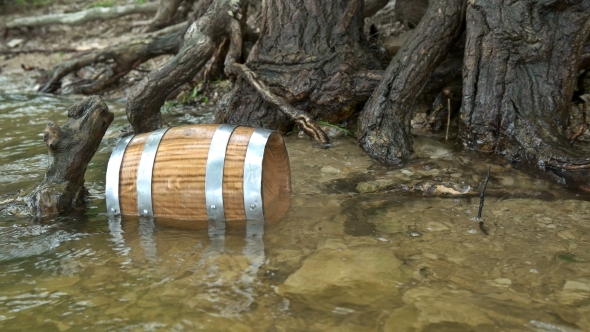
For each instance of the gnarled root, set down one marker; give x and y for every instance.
(384, 124)
(301, 118)
(71, 147)
(232, 67)
(119, 60)
(201, 40)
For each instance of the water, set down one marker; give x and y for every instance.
(362, 249)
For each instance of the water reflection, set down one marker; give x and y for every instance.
(138, 239)
(21, 240)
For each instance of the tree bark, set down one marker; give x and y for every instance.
(164, 16)
(71, 147)
(312, 55)
(384, 124)
(121, 59)
(410, 12)
(521, 63)
(371, 7)
(83, 16)
(201, 40)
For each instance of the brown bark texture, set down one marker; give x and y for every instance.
(71, 147)
(384, 124)
(200, 42)
(119, 60)
(166, 10)
(410, 12)
(520, 70)
(312, 55)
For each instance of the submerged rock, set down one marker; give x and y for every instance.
(439, 311)
(355, 276)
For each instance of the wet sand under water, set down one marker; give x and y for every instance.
(362, 248)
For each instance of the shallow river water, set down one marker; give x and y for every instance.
(363, 248)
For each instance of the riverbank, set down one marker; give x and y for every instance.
(30, 53)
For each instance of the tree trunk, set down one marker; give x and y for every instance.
(312, 55)
(521, 66)
(384, 124)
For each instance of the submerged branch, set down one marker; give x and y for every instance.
(481, 199)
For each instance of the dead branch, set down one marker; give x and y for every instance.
(120, 58)
(71, 147)
(82, 16)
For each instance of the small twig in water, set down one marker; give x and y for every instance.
(481, 199)
(448, 118)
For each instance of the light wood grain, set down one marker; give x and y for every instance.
(233, 174)
(276, 179)
(178, 179)
(128, 175)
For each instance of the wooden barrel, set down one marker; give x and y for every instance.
(200, 172)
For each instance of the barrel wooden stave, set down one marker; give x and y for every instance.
(233, 174)
(178, 180)
(128, 175)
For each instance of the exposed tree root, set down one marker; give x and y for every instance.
(202, 39)
(373, 6)
(71, 147)
(384, 124)
(83, 16)
(166, 9)
(301, 118)
(212, 63)
(585, 120)
(119, 60)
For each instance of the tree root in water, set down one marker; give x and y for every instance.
(71, 146)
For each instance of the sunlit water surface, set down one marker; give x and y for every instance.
(343, 259)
